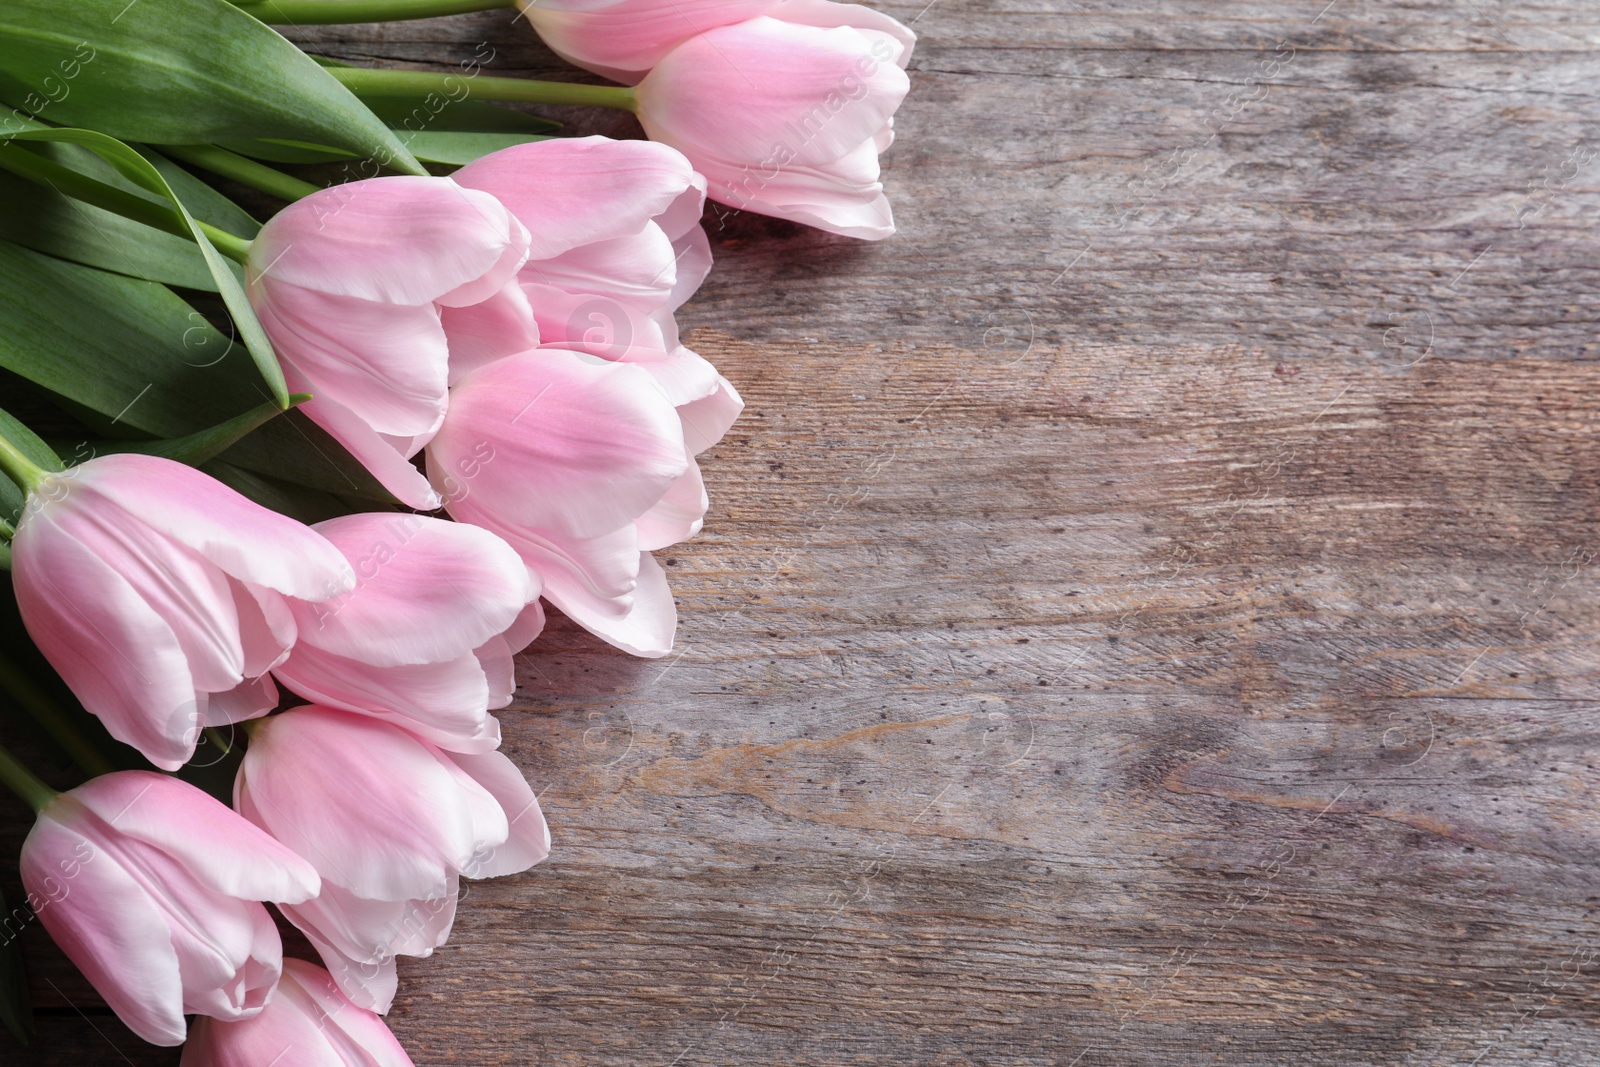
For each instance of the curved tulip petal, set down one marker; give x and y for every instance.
(495, 659)
(707, 419)
(445, 703)
(371, 931)
(107, 943)
(677, 516)
(683, 375)
(217, 849)
(826, 14)
(810, 93)
(397, 240)
(581, 446)
(298, 768)
(241, 537)
(647, 628)
(384, 457)
(247, 981)
(121, 659)
(387, 364)
(528, 839)
(250, 699)
(427, 590)
(622, 40)
(370, 986)
(501, 325)
(309, 1017)
(572, 191)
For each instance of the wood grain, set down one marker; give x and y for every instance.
(1147, 614)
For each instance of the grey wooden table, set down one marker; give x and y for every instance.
(1147, 613)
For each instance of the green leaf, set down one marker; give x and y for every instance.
(47, 221)
(206, 203)
(15, 1010)
(142, 172)
(44, 220)
(274, 150)
(460, 149)
(178, 72)
(197, 448)
(135, 354)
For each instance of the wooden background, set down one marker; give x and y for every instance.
(1147, 610)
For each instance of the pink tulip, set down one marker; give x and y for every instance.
(616, 242)
(152, 888)
(585, 453)
(391, 823)
(309, 1023)
(154, 591)
(617, 247)
(367, 290)
(785, 119)
(422, 640)
(623, 39)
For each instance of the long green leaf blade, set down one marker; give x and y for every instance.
(177, 72)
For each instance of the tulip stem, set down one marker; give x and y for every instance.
(366, 82)
(218, 738)
(334, 12)
(24, 782)
(242, 170)
(19, 468)
(68, 182)
(45, 712)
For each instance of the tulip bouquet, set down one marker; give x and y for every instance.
(290, 495)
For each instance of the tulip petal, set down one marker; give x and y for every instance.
(370, 931)
(384, 457)
(528, 840)
(104, 922)
(215, 846)
(388, 364)
(395, 240)
(427, 590)
(651, 620)
(678, 515)
(249, 981)
(499, 667)
(360, 1037)
(121, 659)
(706, 420)
(811, 95)
(369, 986)
(571, 191)
(580, 446)
(403, 821)
(446, 702)
(241, 537)
(250, 699)
(683, 375)
(499, 326)
(824, 13)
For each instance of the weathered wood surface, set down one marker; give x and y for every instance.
(1147, 613)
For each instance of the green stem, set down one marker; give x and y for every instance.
(44, 711)
(366, 82)
(7, 530)
(22, 470)
(331, 12)
(224, 745)
(243, 170)
(68, 182)
(24, 782)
